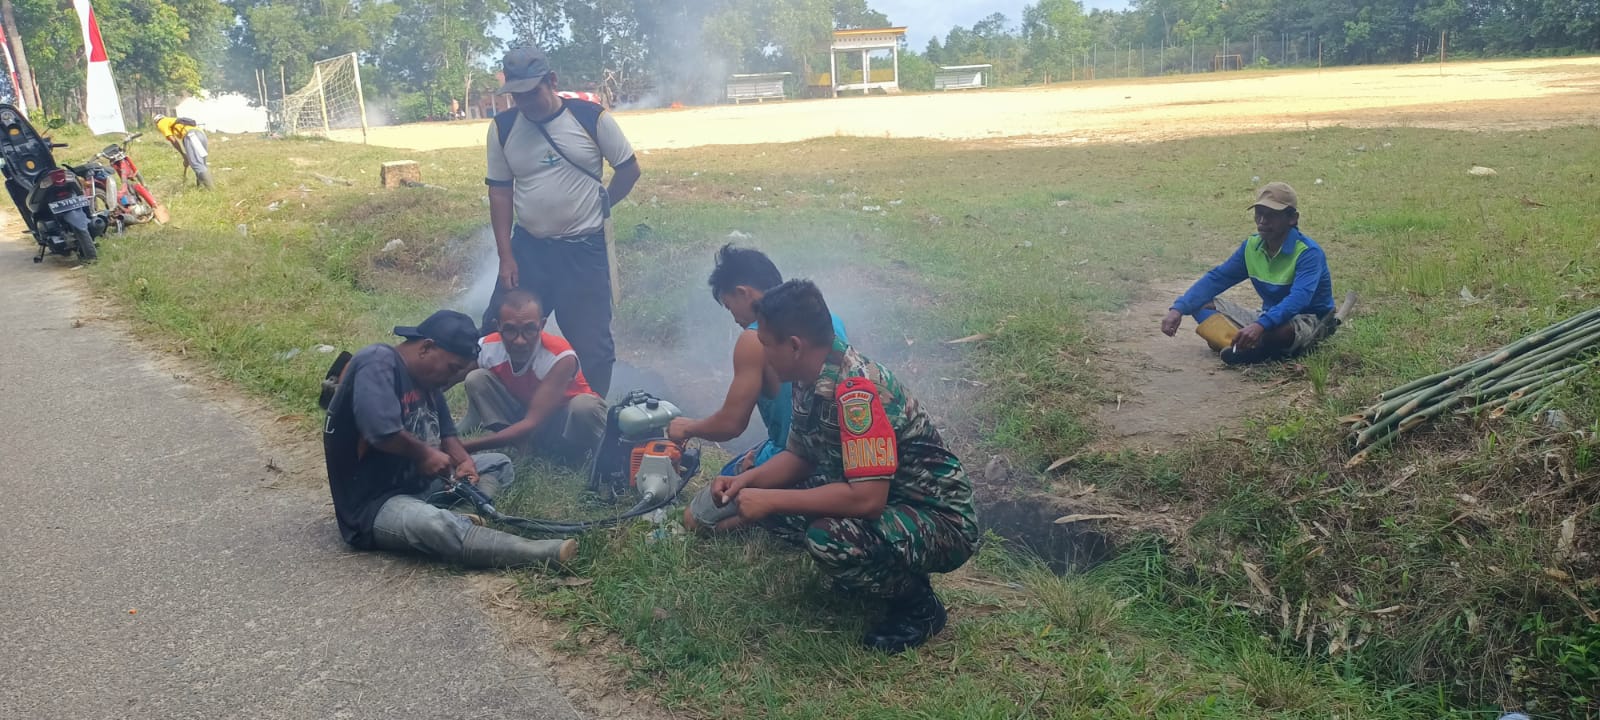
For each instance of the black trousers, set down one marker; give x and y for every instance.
(572, 278)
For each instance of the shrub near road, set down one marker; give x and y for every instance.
(1455, 570)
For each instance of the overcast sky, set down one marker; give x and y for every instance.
(925, 18)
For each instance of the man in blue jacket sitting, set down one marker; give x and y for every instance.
(1286, 268)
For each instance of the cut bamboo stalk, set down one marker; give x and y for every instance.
(1415, 385)
(1365, 437)
(1544, 375)
(1564, 348)
(1582, 319)
(1452, 383)
(1523, 401)
(1522, 375)
(1429, 413)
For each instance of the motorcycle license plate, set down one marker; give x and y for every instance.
(72, 203)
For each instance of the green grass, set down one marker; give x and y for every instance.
(1426, 580)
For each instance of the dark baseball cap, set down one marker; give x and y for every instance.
(447, 329)
(523, 68)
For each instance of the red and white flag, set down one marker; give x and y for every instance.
(100, 102)
(18, 96)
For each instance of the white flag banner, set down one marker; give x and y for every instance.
(101, 103)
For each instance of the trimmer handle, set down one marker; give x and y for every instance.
(469, 492)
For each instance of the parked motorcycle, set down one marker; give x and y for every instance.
(50, 198)
(129, 203)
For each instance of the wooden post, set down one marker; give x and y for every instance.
(896, 53)
(833, 72)
(1441, 53)
(866, 73)
(361, 100)
(283, 84)
(322, 98)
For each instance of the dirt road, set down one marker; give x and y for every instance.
(155, 567)
(1479, 95)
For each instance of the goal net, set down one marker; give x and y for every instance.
(330, 101)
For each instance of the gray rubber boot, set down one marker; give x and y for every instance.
(486, 548)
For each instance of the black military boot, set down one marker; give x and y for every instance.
(912, 619)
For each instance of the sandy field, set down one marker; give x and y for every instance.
(1512, 94)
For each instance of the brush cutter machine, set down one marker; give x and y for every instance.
(634, 456)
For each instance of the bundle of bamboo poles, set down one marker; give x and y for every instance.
(1519, 378)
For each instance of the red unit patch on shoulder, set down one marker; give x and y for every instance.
(866, 437)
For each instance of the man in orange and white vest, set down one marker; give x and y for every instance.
(529, 390)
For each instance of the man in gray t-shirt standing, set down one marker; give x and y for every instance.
(548, 205)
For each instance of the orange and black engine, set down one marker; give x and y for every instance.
(672, 451)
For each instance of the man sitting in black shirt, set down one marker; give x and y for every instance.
(389, 442)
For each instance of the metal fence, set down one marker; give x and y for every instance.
(1129, 60)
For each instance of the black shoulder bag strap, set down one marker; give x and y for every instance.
(605, 195)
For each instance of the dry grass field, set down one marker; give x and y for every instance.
(1507, 94)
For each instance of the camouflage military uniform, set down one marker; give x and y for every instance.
(928, 524)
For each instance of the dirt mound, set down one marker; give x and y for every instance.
(1171, 389)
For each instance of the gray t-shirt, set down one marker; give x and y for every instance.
(553, 199)
(376, 400)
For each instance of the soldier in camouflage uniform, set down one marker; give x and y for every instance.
(866, 485)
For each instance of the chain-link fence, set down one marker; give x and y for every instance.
(1129, 60)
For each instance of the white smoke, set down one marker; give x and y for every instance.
(484, 271)
(379, 115)
(229, 113)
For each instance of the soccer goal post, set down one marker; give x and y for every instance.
(331, 100)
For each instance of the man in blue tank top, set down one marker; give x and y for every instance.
(741, 277)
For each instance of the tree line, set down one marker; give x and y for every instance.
(1058, 40)
(424, 53)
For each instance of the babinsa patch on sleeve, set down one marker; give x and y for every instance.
(866, 437)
